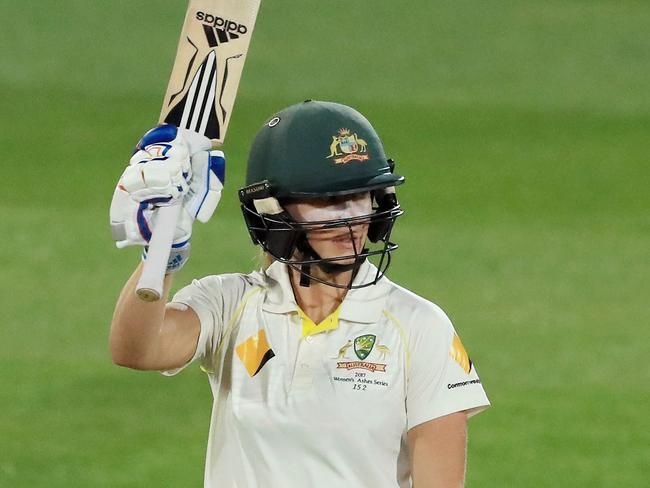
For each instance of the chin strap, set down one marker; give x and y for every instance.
(305, 270)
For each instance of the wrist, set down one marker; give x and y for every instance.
(178, 256)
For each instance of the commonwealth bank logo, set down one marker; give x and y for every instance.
(459, 354)
(255, 352)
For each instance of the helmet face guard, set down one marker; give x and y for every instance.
(287, 240)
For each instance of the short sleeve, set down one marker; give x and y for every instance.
(212, 298)
(442, 378)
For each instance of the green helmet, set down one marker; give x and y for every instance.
(316, 150)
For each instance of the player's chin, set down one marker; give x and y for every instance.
(342, 252)
(345, 262)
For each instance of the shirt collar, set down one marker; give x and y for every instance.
(279, 296)
(364, 305)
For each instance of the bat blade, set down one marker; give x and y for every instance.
(209, 62)
(200, 97)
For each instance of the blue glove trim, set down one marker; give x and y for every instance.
(143, 225)
(175, 263)
(178, 256)
(148, 160)
(180, 244)
(161, 158)
(205, 195)
(162, 133)
(154, 201)
(216, 165)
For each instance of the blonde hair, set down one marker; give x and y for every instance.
(265, 259)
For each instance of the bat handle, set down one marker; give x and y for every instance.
(150, 285)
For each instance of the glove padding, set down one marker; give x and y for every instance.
(168, 165)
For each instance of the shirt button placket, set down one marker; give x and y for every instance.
(307, 357)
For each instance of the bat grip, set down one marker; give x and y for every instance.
(150, 285)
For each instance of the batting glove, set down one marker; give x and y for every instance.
(168, 164)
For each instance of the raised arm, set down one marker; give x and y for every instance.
(152, 335)
(169, 166)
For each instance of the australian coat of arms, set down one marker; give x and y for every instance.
(346, 147)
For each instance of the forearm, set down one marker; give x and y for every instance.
(136, 325)
(438, 452)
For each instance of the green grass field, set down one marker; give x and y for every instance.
(522, 129)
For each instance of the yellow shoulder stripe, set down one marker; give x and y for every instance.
(402, 334)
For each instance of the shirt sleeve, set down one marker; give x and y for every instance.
(442, 378)
(212, 298)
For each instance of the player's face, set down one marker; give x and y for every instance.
(346, 240)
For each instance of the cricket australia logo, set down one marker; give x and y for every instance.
(363, 346)
(346, 147)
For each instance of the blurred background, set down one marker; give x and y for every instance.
(522, 128)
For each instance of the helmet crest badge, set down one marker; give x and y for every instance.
(350, 147)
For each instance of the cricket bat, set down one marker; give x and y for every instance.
(200, 97)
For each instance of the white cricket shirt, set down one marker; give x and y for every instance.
(330, 409)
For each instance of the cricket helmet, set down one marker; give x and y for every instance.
(315, 150)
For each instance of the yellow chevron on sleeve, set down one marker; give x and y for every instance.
(459, 354)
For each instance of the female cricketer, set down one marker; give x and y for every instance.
(324, 372)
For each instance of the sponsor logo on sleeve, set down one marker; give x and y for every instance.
(255, 352)
(459, 354)
(451, 386)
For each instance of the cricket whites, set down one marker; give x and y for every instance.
(200, 97)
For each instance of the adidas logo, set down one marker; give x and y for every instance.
(219, 30)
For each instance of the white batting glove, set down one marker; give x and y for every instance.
(168, 164)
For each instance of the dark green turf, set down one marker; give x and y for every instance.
(522, 129)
